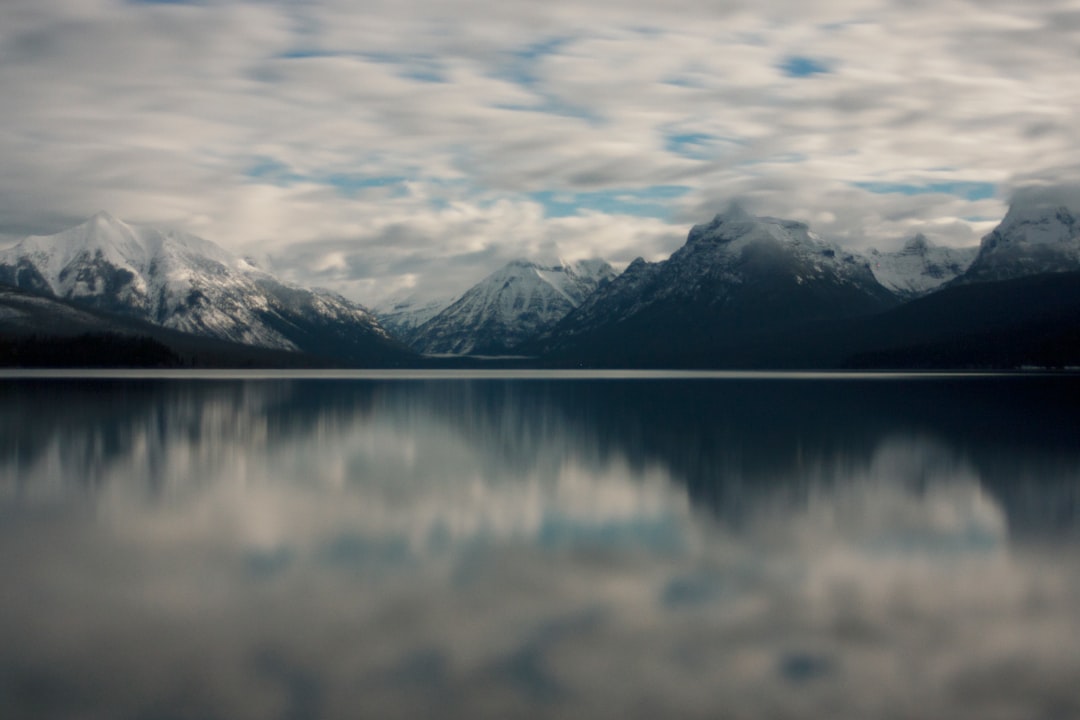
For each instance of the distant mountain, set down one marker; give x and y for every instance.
(402, 315)
(1025, 321)
(919, 267)
(1022, 322)
(185, 283)
(1035, 237)
(737, 278)
(512, 305)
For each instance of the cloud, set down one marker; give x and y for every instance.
(297, 128)
(246, 549)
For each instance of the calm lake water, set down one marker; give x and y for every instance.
(593, 547)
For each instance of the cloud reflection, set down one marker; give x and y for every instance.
(543, 549)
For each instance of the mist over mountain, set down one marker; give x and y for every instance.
(737, 277)
(1038, 235)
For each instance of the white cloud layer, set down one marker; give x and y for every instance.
(374, 146)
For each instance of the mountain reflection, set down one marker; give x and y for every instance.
(600, 548)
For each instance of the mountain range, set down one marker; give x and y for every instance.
(742, 292)
(757, 292)
(737, 277)
(184, 283)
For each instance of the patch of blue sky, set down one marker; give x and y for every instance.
(303, 53)
(424, 68)
(347, 183)
(694, 145)
(654, 201)
(801, 66)
(683, 81)
(520, 68)
(967, 190)
(424, 75)
(550, 105)
(273, 172)
(698, 145)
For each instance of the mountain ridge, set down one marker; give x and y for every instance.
(1034, 237)
(742, 291)
(183, 282)
(735, 277)
(510, 306)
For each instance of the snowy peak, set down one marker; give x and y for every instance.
(183, 282)
(516, 302)
(104, 220)
(594, 268)
(917, 245)
(1039, 223)
(736, 224)
(920, 266)
(71, 262)
(1036, 236)
(736, 245)
(737, 276)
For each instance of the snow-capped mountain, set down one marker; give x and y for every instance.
(1034, 237)
(735, 277)
(919, 266)
(401, 315)
(183, 282)
(513, 304)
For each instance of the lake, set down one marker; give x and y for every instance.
(621, 545)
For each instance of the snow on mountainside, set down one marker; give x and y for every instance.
(513, 304)
(735, 276)
(183, 282)
(1034, 237)
(401, 315)
(920, 266)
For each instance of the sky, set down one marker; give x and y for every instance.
(379, 147)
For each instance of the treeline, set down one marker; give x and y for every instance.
(87, 350)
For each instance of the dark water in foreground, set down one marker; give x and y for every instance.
(722, 548)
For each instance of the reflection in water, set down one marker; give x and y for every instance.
(340, 549)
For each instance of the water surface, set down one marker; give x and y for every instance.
(587, 546)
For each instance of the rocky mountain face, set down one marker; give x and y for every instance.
(735, 278)
(512, 305)
(1034, 237)
(179, 281)
(919, 267)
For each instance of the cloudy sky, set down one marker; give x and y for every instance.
(370, 146)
